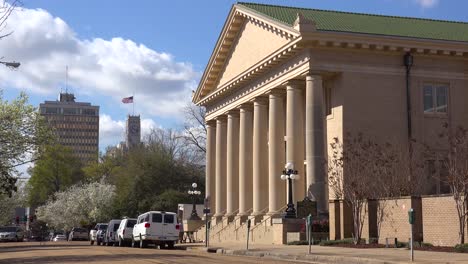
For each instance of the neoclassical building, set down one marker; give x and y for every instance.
(282, 82)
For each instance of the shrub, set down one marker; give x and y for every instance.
(373, 240)
(402, 244)
(297, 243)
(336, 242)
(424, 244)
(462, 248)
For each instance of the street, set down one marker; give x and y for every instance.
(81, 252)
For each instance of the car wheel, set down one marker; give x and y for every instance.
(170, 245)
(142, 243)
(162, 245)
(121, 243)
(133, 242)
(91, 242)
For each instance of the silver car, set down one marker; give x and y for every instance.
(11, 233)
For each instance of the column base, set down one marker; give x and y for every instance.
(241, 218)
(218, 219)
(230, 217)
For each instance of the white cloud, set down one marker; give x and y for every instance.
(114, 68)
(111, 132)
(427, 3)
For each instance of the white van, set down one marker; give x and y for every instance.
(125, 231)
(110, 238)
(156, 227)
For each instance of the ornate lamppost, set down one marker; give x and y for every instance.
(194, 193)
(290, 174)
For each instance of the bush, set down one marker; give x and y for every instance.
(424, 244)
(303, 242)
(462, 248)
(297, 243)
(373, 240)
(402, 244)
(336, 242)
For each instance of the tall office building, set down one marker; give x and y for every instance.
(133, 131)
(76, 125)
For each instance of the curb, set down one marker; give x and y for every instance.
(308, 258)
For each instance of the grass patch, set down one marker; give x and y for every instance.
(461, 248)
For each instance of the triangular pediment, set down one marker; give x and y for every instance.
(253, 43)
(246, 39)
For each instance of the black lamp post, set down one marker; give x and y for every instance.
(194, 193)
(290, 174)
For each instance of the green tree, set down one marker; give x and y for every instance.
(22, 132)
(55, 170)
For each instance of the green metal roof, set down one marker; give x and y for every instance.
(366, 23)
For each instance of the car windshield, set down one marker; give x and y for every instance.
(79, 230)
(8, 229)
(102, 227)
(131, 223)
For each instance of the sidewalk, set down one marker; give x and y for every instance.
(334, 254)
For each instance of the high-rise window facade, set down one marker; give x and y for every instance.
(76, 125)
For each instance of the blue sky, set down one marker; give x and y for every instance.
(115, 48)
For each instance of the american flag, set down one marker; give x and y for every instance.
(127, 100)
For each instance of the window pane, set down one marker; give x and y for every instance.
(168, 218)
(157, 218)
(428, 99)
(441, 99)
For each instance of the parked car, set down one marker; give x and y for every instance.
(94, 231)
(156, 227)
(11, 233)
(78, 233)
(125, 231)
(60, 238)
(110, 237)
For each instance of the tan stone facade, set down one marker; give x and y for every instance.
(281, 94)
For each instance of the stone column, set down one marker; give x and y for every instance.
(315, 141)
(295, 135)
(210, 180)
(232, 163)
(260, 157)
(220, 166)
(276, 154)
(245, 159)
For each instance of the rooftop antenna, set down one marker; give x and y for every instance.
(66, 79)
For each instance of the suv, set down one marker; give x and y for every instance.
(124, 233)
(96, 233)
(156, 227)
(78, 233)
(110, 235)
(11, 233)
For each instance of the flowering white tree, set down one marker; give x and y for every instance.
(79, 205)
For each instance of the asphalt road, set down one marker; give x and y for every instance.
(82, 252)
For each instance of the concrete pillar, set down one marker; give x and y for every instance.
(295, 135)
(260, 157)
(245, 159)
(315, 142)
(221, 127)
(210, 180)
(232, 163)
(276, 153)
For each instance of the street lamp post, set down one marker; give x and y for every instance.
(194, 193)
(290, 174)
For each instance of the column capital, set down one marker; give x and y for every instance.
(232, 113)
(260, 100)
(220, 118)
(314, 77)
(294, 83)
(211, 123)
(246, 106)
(277, 92)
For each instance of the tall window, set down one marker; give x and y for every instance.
(435, 98)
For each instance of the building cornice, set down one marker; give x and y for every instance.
(237, 16)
